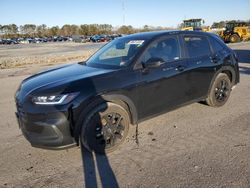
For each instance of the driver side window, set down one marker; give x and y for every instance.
(167, 49)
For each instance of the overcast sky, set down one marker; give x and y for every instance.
(136, 12)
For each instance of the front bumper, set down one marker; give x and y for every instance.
(48, 131)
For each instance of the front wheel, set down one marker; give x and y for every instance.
(234, 38)
(220, 91)
(105, 128)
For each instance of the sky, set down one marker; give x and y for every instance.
(135, 12)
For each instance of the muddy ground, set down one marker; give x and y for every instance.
(193, 146)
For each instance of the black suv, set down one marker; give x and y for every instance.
(132, 78)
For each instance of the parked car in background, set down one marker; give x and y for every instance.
(75, 38)
(114, 36)
(31, 40)
(23, 41)
(9, 41)
(79, 38)
(69, 38)
(105, 38)
(87, 38)
(49, 39)
(100, 38)
(130, 79)
(95, 38)
(38, 40)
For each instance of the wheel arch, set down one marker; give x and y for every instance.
(229, 71)
(229, 74)
(119, 99)
(125, 102)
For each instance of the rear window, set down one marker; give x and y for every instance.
(197, 46)
(215, 45)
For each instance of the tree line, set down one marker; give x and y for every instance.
(32, 30)
(222, 24)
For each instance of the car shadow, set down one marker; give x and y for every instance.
(244, 70)
(95, 165)
(243, 55)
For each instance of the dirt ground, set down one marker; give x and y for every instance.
(194, 146)
(23, 55)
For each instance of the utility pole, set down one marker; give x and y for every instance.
(123, 12)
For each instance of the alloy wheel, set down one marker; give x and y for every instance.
(110, 129)
(222, 91)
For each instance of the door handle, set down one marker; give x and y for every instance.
(180, 68)
(167, 68)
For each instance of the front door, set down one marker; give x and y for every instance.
(163, 87)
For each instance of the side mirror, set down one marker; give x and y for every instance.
(154, 62)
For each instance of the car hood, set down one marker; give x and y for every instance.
(60, 75)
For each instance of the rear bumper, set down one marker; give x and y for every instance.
(50, 131)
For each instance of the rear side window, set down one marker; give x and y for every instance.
(215, 45)
(197, 46)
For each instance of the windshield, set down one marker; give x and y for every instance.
(230, 26)
(117, 53)
(192, 24)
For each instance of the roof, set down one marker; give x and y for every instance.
(193, 20)
(155, 34)
(149, 35)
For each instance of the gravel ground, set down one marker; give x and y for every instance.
(193, 146)
(23, 55)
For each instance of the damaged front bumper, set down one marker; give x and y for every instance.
(48, 131)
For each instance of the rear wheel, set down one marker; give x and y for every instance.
(234, 38)
(220, 91)
(105, 128)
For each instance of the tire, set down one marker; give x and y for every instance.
(220, 91)
(105, 128)
(234, 38)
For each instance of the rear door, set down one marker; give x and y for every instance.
(200, 65)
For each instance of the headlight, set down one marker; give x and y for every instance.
(54, 99)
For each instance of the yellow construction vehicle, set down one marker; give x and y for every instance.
(235, 31)
(194, 25)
